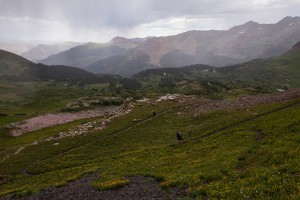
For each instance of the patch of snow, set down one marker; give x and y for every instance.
(260, 28)
(280, 90)
(143, 100)
(167, 97)
(290, 24)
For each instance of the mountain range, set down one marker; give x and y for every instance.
(264, 75)
(17, 68)
(16, 47)
(213, 47)
(43, 51)
(86, 54)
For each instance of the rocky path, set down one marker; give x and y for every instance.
(139, 188)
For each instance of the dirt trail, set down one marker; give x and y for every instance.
(16, 152)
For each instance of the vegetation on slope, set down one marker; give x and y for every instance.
(12, 64)
(280, 73)
(245, 153)
(16, 68)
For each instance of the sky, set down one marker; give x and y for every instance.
(101, 20)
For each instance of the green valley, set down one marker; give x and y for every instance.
(62, 126)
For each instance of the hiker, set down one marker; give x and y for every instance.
(153, 114)
(179, 137)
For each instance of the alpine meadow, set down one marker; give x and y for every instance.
(149, 100)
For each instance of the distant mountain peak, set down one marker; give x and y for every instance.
(122, 42)
(297, 45)
(288, 20)
(42, 51)
(118, 39)
(251, 23)
(140, 40)
(247, 26)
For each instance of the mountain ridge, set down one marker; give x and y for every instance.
(238, 44)
(219, 48)
(83, 55)
(16, 68)
(86, 54)
(42, 51)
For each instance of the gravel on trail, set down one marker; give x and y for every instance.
(140, 188)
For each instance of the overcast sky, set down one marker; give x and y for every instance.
(101, 20)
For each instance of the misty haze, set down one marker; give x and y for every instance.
(149, 99)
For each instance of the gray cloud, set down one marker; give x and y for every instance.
(127, 16)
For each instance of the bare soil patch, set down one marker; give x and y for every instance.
(50, 119)
(139, 188)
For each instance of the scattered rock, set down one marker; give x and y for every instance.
(143, 100)
(106, 122)
(244, 101)
(168, 97)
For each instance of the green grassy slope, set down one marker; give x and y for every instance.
(16, 68)
(19, 101)
(236, 154)
(11, 64)
(291, 59)
(282, 72)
